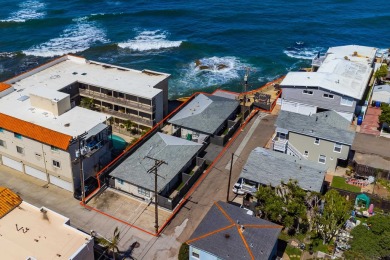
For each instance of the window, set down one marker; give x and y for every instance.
(306, 153)
(345, 101)
(1, 130)
(307, 92)
(337, 148)
(16, 135)
(120, 181)
(2, 143)
(317, 141)
(54, 149)
(143, 192)
(328, 96)
(56, 164)
(20, 149)
(322, 159)
(195, 253)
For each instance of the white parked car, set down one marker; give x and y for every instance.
(237, 189)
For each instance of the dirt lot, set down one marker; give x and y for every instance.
(129, 210)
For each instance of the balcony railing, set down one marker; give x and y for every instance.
(248, 188)
(135, 119)
(279, 144)
(115, 100)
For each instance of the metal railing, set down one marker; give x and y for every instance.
(279, 144)
(115, 100)
(135, 119)
(317, 61)
(295, 152)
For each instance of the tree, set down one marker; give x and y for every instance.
(112, 244)
(128, 124)
(284, 204)
(385, 114)
(371, 241)
(87, 102)
(336, 211)
(381, 72)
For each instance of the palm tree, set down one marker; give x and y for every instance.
(112, 244)
(87, 102)
(128, 125)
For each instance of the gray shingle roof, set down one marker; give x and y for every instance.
(221, 235)
(175, 151)
(325, 125)
(205, 113)
(269, 167)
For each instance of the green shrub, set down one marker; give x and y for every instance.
(184, 252)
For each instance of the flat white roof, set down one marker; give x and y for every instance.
(48, 79)
(73, 122)
(347, 77)
(51, 94)
(69, 69)
(27, 232)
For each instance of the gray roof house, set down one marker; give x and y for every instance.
(381, 93)
(132, 172)
(267, 167)
(227, 232)
(205, 113)
(323, 137)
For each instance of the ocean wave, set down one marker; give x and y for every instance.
(210, 72)
(149, 41)
(7, 54)
(75, 38)
(301, 52)
(29, 10)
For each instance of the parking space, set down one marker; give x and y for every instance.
(129, 210)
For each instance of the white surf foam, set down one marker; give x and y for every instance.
(210, 72)
(7, 54)
(76, 38)
(150, 40)
(29, 10)
(305, 53)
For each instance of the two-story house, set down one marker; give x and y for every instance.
(337, 82)
(325, 138)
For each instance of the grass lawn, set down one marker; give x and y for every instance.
(339, 182)
(293, 252)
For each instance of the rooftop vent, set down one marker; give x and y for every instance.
(67, 124)
(227, 236)
(75, 73)
(20, 90)
(23, 98)
(45, 113)
(84, 73)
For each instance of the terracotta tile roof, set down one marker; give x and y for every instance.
(35, 132)
(8, 201)
(4, 86)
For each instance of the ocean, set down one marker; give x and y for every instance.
(269, 37)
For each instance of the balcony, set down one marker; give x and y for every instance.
(134, 118)
(114, 100)
(279, 144)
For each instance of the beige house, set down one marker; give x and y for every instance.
(324, 138)
(28, 232)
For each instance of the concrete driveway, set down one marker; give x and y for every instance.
(128, 209)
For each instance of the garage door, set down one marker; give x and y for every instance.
(35, 173)
(61, 183)
(300, 108)
(12, 164)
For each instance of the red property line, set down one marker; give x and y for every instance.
(208, 170)
(192, 189)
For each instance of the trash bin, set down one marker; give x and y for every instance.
(360, 120)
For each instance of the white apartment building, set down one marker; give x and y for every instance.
(40, 120)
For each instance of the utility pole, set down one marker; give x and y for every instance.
(245, 90)
(79, 139)
(230, 177)
(154, 169)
